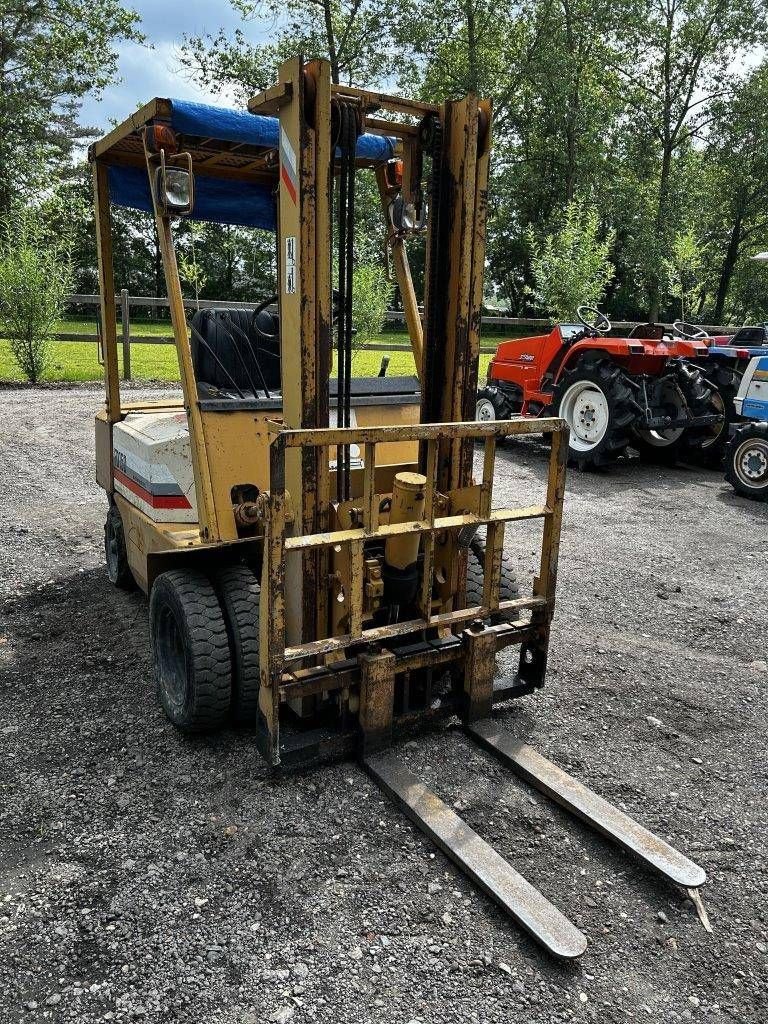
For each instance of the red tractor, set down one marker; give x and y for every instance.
(642, 390)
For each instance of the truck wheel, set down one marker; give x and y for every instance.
(239, 593)
(508, 587)
(190, 650)
(594, 400)
(746, 461)
(118, 570)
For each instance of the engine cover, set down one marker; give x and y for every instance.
(152, 465)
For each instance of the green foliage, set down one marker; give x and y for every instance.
(571, 265)
(52, 54)
(684, 267)
(35, 278)
(372, 293)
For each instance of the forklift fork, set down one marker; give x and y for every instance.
(494, 875)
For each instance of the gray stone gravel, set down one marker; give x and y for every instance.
(145, 876)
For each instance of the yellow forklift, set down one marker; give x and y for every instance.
(323, 561)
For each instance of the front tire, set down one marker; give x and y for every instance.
(746, 461)
(240, 595)
(190, 649)
(594, 400)
(508, 586)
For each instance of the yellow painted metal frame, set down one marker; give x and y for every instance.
(279, 656)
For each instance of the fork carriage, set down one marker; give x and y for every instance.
(396, 667)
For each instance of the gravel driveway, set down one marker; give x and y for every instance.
(152, 877)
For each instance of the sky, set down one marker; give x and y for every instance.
(145, 73)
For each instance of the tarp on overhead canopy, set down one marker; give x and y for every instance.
(225, 201)
(216, 199)
(253, 129)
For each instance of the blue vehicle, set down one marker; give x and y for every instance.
(746, 456)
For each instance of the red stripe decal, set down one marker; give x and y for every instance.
(286, 178)
(155, 500)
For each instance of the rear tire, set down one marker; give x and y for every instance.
(508, 586)
(702, 398)
(746, 461)
(240, 593)
(595, 401)
(190, 648)
(725, 381)
(115, 551)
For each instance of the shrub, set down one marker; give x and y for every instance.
(571, 266)
(372, 293)
(35, 278)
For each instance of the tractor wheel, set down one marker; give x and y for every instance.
(239, 593)
(701, 398)
(595, 401)
(508, 587)
(494, 404)
(725, 380)
(746, 461)
(663, 447)
(190, 650)
(118, 570)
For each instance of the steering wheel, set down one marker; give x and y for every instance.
(689, 331)
(273, 301)
(602, 324)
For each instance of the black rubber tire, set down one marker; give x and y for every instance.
(757, 432)
(239, 593)
(493, 399)
(508, 586)
(726, 380)
(610, 379)
(190, 649)
(115, 551)
(702, 398)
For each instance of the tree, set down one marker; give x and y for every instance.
(571, 266)
(684, 267)
(676, 59)
(52, 54)
(35, 279)
(736, 178)
(353, 35)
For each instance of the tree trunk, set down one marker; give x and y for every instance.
(726, 271)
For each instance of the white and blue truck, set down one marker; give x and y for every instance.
(746, 457)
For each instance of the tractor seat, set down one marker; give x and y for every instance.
(234, 345)
(651, 332)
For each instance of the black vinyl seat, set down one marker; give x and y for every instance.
(235, 349)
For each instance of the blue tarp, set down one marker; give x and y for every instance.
(225, 201)
(216, 199)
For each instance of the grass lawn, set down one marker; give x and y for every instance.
(77, 360)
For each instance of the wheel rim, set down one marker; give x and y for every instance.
(171, 659)
(750, 463)
(585, 409)
(484, 411)
(672, 405)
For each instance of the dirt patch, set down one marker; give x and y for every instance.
(149, 876)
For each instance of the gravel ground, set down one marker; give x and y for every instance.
(148, 876)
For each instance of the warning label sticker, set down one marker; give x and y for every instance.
(291, 273)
